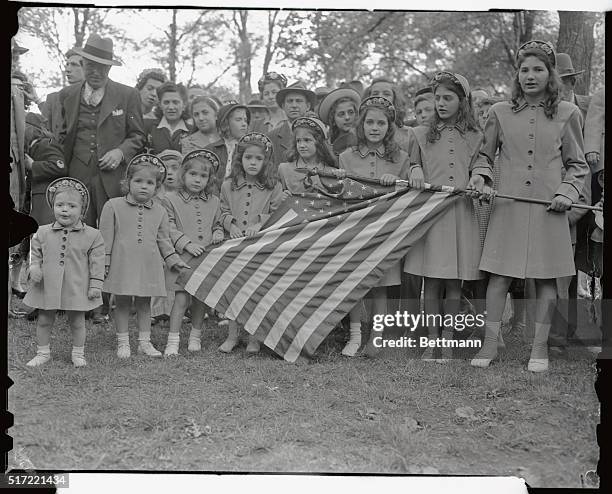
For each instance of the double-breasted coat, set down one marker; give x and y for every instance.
(371, 163)
(72, 262)
(451, 248)
(193, 218)
(525, 240)
(137, 242)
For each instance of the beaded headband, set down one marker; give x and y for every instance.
(272, 77)
(202, 153)
(543, 46)
(256, 138)
(310, 123)
(62, 184)
(456, 79)
(380, 103)
(149, 159)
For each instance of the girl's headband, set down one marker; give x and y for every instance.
(149, 159)
(457, 79)
(258, 139)
(62, 184)
(204, 99)
(310, 123)
(202, 153)
(379, 103)
(543, 46)
(272, 77)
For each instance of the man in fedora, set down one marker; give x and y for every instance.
(296, 101)
(102, 128)
(568, 75)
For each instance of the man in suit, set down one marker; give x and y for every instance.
(51, 108)
(568, 76)
(102, 130)
(296, 101)
(102, 126)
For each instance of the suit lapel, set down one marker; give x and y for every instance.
(71, 106)
(108, 102)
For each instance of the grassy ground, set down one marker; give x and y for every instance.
(211, 411)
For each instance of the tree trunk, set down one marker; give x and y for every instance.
(172, 47)
(577, 40)
(243, 56)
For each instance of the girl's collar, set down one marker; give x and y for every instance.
(460, 126)
(522, 103)
(364, 150)
(129, 200)
(300, 163)
(242, 183)
(79, 225)
(186, 196)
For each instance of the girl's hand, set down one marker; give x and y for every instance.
(235, 232)
(339, 172)
(592, 158)
(476, 188)
(181, 265)
(217, 236)
(36, 273)
(417, 178)
(194, 249)
(388, 179)
(286, 193)
(252, 230)
(560, 204)
(93, 293)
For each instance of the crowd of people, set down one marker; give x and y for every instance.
(129, 184)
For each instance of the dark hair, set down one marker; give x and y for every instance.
(267, 175)
(171, 87)
(322, 151)
(398, 101)
(465, 113)
(391, 147)
(334, 131)
(131, 171)
(551, 101)
(145, 75)
(212, 176)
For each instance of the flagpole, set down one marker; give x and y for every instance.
(452, 190)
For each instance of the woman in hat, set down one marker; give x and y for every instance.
(232, 123)
(537, 136)
(203, 111)
(444, 154)
(376, 156)
(172, 112)
(260, 117)
(66, 268)
(269, 85)
(339, 111)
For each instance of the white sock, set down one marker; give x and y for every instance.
(173, 338)
(43, 350)
(78, 351)
(489, 347)
(195, 334)
(539, 349)
(355, 331)
(144, 336)
(123, 339)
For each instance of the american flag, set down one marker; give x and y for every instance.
(317, 256)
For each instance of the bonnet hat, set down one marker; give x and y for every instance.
(424, 91)
(228, 108)
(311, 123)
(457, 79)
(565, 68)
(257, 104)
(99, 50)
(258, 139)
(203, 153)
(170, 155)
(65, 183)
(271, 77)
(149, 159)
(329, 100)
(296, 87)
(543, 46)
(380, 103)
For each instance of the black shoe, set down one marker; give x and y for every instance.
(18, 293)
(98, 318)
(32, 316)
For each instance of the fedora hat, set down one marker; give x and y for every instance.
(296, 87)
(99, 50)
(565, 67)
(329, 100)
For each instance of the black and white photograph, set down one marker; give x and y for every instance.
(305, 241)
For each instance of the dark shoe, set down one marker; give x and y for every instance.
(32, 316)
(98, 318)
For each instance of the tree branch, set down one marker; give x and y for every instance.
(208, 86)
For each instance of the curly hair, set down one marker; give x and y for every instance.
(334, 131)
(323, 153)
(267, 175)
(131, 171)
(553, 97)
(145, 75)
(398, 100)
(211, 185)
(465, 114)
(171, 87)
(391, 147)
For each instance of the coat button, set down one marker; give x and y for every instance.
(66, 232)
(529, 167)
(244, 222)
(532, 120)
(451, 150)
(451, 164)
(451, 178)
(62, 254)
(199, 221)
(248, 194)
(248, 203)
(140, 225)
(246, 213)
(64, 238)
(63, 247)
(528, 182)
(198, 213)
(139, 240)
(200, 237)
(530, 152)
(61, 263)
